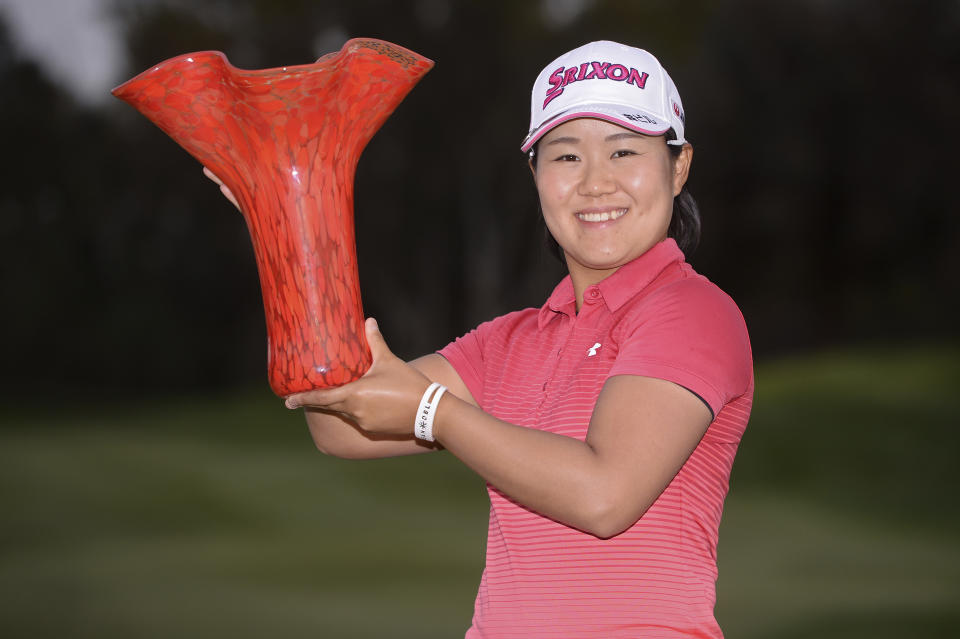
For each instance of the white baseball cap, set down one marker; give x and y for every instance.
(608, 81)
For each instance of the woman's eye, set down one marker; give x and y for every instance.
(623, 153)
(568, 157)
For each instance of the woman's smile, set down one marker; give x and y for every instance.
(600, 215)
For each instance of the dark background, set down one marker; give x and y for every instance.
(150, 484)
(824, 135)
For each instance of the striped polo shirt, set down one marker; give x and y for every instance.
(544, 368)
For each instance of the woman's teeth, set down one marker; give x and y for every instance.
(606, 216)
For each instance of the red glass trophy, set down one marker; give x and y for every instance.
(286, 141)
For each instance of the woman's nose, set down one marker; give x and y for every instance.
(597, 180)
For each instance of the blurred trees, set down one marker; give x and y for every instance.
(823, 136)
(836, 124)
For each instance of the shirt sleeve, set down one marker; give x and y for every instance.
(465, 354)
(692, 334)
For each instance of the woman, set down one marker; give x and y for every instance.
(605, 423)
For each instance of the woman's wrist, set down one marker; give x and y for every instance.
(423, 427)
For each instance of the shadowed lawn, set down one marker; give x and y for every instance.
(157, 532)
(217, 518)
(843, 518)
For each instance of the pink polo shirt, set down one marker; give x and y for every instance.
(544, 368)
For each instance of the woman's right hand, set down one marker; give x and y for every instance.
(223, 187)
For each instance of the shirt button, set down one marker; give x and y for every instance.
(593, 294)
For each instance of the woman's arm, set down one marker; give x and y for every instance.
(641, 432)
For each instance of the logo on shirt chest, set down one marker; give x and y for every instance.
(593, 350)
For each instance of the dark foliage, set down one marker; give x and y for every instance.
(824, 137)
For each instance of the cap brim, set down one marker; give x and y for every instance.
(633, 119)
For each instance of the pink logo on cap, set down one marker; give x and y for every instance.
(678, 112)
(564, 76)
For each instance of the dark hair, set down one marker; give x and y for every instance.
(684, 223)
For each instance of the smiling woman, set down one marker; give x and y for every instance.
(605, 422)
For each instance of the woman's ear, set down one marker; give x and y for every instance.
(681, 168)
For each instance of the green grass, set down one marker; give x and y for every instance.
(215, 517)
(873, 432)
(843, 519)
(162, 523)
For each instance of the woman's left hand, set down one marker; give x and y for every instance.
(384, 401)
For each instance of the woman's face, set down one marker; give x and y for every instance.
(606, 193)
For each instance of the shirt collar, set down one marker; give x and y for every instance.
(562, 300)
(618, 288)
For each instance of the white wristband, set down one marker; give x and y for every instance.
(422, 411)
(423, 426)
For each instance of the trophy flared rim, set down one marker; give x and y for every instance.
(400, 54)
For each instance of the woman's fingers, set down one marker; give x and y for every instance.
(223, 187)
(327, 398)
(383, 401)
(210, 174)
(378, 345)
(336, 398)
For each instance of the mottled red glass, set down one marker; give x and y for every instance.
(286, 141)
